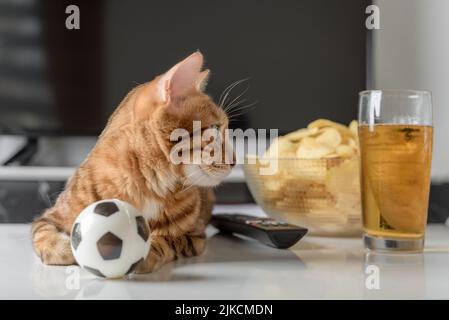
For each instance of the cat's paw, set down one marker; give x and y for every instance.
(146, 267)
(150, 264)
(57, 258)
(58, 253)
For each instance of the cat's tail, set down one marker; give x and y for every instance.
(51, 243)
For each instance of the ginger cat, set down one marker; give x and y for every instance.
(131, 162)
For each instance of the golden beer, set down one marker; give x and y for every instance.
(395, 179)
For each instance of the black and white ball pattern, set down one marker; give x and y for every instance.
(110, 238)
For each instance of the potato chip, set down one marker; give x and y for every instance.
(310, 149)
(332, 155)
(322, 123)
(297, 135)
(354, 128)
(352, 143)
(345, 151)
(279, 148)
(330, 137)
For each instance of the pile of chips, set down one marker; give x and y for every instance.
(321, 139)
(316, 183)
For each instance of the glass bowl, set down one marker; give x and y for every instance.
(322, 195)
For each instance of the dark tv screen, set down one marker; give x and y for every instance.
(303, 59)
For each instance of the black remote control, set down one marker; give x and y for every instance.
(271, 232)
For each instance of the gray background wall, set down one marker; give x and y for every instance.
(411, 50)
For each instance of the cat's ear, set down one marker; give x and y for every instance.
(181, 78)
(202, 79)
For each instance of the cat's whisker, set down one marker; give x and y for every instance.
(228, 94)
(237, 107)
(244, 109)
(235, 100)
(189, 179)
(223, 93)
(211, 172)
(186, 178)
(234, 105)
(208, 170)
(236, 115)
(228, 90)
(191, 183)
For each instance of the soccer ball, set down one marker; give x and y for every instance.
(110, 238)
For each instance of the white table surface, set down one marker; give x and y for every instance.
(233, 268)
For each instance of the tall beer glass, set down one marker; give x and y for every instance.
(395, 132)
